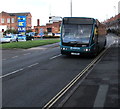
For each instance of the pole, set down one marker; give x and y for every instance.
(115, 10)
(71, 7)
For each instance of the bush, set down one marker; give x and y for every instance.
(51, 36)
(10, 31)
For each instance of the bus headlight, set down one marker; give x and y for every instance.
(86, 49)
(64, 48)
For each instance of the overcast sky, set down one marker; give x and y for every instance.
(41, 9)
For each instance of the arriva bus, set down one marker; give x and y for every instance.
(82, 36)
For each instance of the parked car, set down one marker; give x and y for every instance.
(25, 37)
(8, 39)
(29, 37)
(21, 37)
(57, 34)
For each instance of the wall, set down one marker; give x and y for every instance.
(55, 27)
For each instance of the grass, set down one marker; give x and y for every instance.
(28, 44)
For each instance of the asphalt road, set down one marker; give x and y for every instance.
(32, 77)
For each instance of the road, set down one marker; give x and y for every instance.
(30, 78)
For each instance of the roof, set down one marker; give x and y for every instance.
(19, 14)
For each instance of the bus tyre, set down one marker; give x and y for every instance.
(104, 44)
(96, 52)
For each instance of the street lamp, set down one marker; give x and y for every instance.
(115, 10)
(71, 7)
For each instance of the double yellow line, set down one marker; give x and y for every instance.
(66, 88)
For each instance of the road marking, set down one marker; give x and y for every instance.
(101, 96)
(17, 71)
(27, 54)
(15, 57)
(56, 56)
(33, 65)
(11, 73)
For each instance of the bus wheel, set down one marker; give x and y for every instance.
(96, 52)
(104, 44)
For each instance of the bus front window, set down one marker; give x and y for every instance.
(80, 33)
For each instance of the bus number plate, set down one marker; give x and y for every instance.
(75, 53)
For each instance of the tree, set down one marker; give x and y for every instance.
(10, 31)
(27, 31)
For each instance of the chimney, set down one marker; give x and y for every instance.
(38, 22)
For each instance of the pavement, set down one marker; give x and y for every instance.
(100, 89)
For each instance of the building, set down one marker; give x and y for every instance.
(15, 20)
(52, 27)
(54, 19)
(113, 22)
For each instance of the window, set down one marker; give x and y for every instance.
(80, 33)
(2, 20)
(12, 28)
(29, 21)
(13, 20)
(49, 29)
(8, 20)
(8, 28)
(2, 30)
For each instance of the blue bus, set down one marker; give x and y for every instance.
(80, 35)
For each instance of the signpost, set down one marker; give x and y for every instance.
(41, 33)
(22, 24)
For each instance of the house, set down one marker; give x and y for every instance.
(10, 20)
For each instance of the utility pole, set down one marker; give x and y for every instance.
(71, 7)
(50, 10)
(115, 10)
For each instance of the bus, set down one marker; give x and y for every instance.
(81, 35)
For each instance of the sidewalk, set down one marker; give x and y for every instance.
(45, 46)
(100, 88)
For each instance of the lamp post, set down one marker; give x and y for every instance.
(115, 10)
(71, 7)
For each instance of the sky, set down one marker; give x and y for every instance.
(42, 9)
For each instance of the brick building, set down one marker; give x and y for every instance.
(51, 27)
(10, 20)
(113, 22)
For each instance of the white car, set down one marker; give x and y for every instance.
(8, 39)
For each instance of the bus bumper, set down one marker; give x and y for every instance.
(76, 50)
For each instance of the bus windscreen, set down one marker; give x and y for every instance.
(79, 33)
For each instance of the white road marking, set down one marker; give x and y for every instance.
(17, 71)
(27, 54)
(101, 96)
(55, 56)
(33, 65)
(15, 57)
(11, 73)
